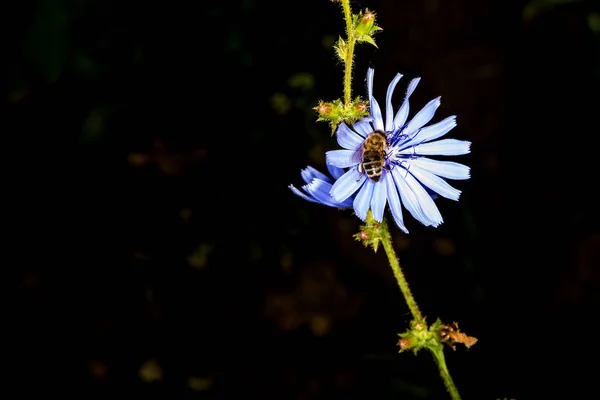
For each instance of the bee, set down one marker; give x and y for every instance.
(371, 155)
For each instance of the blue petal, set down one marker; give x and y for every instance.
(347, 185)
(341, 158)
(310, 173)
(409, 198)
(375, 110)
(334, 171)
(435, 131)
(425, 201)
(402, 114)
(389, 110)
(423, 116)
(364, 127)
(445, 169)
(379, 199)
(347, 138)
(370, 74)
(444, 147)
(433, 182)
(363, 199)
(394, 201)
(299, 193)
(320, 191)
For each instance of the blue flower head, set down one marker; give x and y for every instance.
(318, 186)
(407, 177)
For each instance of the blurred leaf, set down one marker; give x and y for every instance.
(46, 44)
(16, 96)
(199, 384)
(92, 126)
(199, 257)
(537, 6)
(287, 262)
(85, 65)
(302, 80)
(150, 371)
(320, 325)
(444, 246)
(594, 22)
(138, 159)
(281, 103)
(328, 41)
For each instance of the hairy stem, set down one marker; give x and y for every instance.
(349, 61)
(386, 241)
(438, 354)
(440, 361)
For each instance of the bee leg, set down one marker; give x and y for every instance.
(362, 172)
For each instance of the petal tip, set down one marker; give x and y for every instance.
(328, 157)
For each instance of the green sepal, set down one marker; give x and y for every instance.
(341, 49)
(336, 112)
(367, 39)
(419, 336)
(371, 232)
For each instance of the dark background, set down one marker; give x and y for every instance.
(160, 253)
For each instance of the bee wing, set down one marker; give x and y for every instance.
(357, 155)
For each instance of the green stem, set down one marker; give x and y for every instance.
(386, 241)
(349, 61)
(440, 361)
(438, 354)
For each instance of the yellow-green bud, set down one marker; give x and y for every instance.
(366, 23)
(361, 107)
(324, 109)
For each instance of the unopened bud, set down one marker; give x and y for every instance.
(406, 343)
(324, 109)
(361, 107)
(365, 25)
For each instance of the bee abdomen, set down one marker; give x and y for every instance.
(374, 176)
(373, 169)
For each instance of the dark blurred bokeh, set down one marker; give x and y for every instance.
(162, 255)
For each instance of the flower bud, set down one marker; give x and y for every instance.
(361, 107)
(366, 22)
(324, 108)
